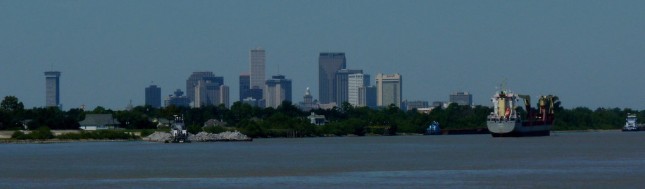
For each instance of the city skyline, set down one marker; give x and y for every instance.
(582, 51)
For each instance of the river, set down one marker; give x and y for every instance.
(609, 159)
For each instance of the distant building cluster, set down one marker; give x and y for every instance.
(336, 85)
(462, 98)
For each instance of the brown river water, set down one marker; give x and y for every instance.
(609, 159)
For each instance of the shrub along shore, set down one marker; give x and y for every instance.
(287, 120)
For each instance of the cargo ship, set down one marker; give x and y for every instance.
(505, 120)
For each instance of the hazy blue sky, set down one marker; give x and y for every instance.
(590, 53)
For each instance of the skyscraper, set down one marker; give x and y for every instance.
(192, 81)
(153, 96)
(177, 99)
(328, 65)
(342, 85)
(354, 82)
(52, 89)
(367, 96)
(277, 89)
(224, 95)
(204, 89)
(207, 93)
(257, 61)
(388, 89)
(245, 86)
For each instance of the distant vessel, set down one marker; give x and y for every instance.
(178, 131)
(630, 123)
(433, 129)
(506, 121)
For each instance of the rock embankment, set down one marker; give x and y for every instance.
(158, 137)
(200, 137)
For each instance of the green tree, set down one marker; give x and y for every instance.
(11, 104)
(101, 110)
(11, 113)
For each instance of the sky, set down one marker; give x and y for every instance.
(589, 53)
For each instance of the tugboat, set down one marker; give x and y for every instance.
(630, 123)
(506, 121)
(433, 129)
(178, 131)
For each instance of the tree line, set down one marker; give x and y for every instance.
(289, 121)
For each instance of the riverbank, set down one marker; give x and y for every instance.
(5, 137)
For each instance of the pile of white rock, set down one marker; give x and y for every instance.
(158, 137)
(224, 136)
(200, 137)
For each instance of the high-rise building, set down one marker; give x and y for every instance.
(367, 96)
(153, 96)
(206, 93)
(342, 85)
(192, 81)
(224, 95)
(178, 99)
(52, 89)
(328, 65)
(462, 98)
(258, 63)
(205, 89)
(245, 86)
(354, 82)
(388, 89)
(277, 89)
(257, 93)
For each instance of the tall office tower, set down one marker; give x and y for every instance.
(367, 96)
(342, 84)
(388, 89)
(52, 89)
(204, 93)
(209, 92)
(462, 98)
(204, 88)
(277, 89)
(245, 86)
(258, 62)
(191, 82)
(199, 94)
(355, 81)
(328, 65)
(153, 96)
(224, 96)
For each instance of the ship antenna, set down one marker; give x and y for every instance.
(504, 84)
